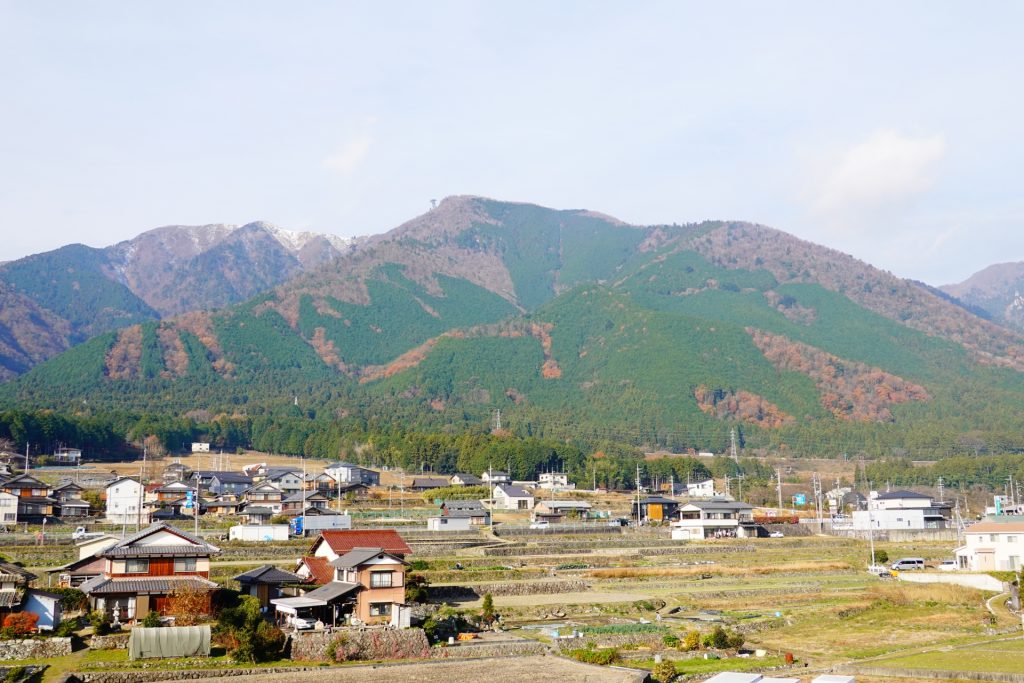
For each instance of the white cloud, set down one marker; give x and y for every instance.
(350, 157)
(886, 170)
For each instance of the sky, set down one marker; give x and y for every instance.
(890, 131)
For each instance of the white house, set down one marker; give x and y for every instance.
(701, 489)
(453, 521)
(493, 477)
(899, 510)
(347, 473)
(8, 508)
(123, 498)
(716, 518)
(992, 545)
(554, 481)
(508, 497)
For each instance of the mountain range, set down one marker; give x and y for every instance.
(54, 300)
(569, 322)
(996, 292)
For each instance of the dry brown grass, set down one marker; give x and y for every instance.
(910, 593)
(644, 572)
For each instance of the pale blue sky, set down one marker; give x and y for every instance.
(891, 131)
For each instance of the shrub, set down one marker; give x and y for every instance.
(417, 588)
(664, 672)
(590, 655)
(152, 620)
(487, 610)
(623, 628)
(691, 641)
(246, 634)
(100, 622)
(670, 640)
(881, 557)
(736, 640)
(573, 565)
(280, 519)
(21, 623)
(71, 599)
(419, 566)
(66, 628)
(189, 605)
(717, 639)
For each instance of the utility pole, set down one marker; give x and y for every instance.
(732, 446)
(638, 496)
(778, 474)
(142, 489)
(942, 491)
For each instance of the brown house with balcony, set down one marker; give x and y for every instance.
(141, 573)
(34, 498)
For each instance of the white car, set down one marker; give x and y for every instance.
(776, 534)
(948, 566)
(539, 525)
(302, 623)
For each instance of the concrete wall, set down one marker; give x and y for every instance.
(980, 581)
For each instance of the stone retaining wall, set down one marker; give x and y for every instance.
(21, 674)
(35, 649)
(370, 645)
(523, 648)
(115, 641)
(179, 675)
(475, 591)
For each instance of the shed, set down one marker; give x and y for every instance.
(44, 605)
(169, 641)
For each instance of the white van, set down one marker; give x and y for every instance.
(905, 563)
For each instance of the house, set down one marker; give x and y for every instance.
(200, 447)
(427, 483)
(265, 495)
(288, 480)
(297, 503)
(894, 510)
(223, 505)
(558, 510)
(492, 477)
(367, 586)
(173, 491)
(994, 544)
(123, 507)
(265, 583)
(67, 457)
(473, 509)
(701, 489)
(656, 509)
(462, 479)
(8, 508)
(256, 514)
(554, 481)
(333, 544)
(347, 473)
(141, 572)
(844, 499)
(34, 501)
(14, 582)
(218, 482)
(715, 518)
(176, 472)
(69, 501)
(506, 497)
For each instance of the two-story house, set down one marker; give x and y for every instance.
(288, 480)
(265, 495)
(554, 481)
(464, 479)
(347, 473)
(8, 508)
(362, 585)
(715, 518)
(993, 544)
(297, 503)
(123, 502)
(34, 498)
(176, 472)
(69, 501)
(508, 497)
(492, 477)
(142, 572)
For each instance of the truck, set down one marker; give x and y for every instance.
(258, 532)
(313, 524)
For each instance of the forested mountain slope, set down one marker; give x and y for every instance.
(575, 324)
(997, 290)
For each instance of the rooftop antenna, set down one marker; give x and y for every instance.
(433, 204)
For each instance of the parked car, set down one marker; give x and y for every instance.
(80, 534)
(302, 623)
(907, 564)
(776, 534)
(879, 570)
(948, 566)
(539, 525)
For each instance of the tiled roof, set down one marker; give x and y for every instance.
(513, 491)
(268, 573)
(101, 585)
(343, 540)
(897, 495)
(200, 546)
(462, 505)
(12, 572)
(320, 569)
(992, 527)
(9, 598)
(428, 483)
(257, 510)
(356, 557)
(25, 481)
(160, 551)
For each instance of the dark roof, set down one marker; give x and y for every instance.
(101, 585)
(127, 547)
(232, 478)
(277, 472)
(513, 491)
(268, 573)
(343, 540)
(13, 572)
(10, 598)
(37, 500)
(659, 499)
(466, 514)
(896, 495)
(332, 591)
(25, 481)
(67, 485)
(299, 496)
(720, 505)
(119, 480)
(257, 510)
(462, 505)
(428, 483)
(469, 479)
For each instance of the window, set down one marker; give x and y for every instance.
(380, 609)
(1011, 539)
(184, 564)
(136, 567)
(380, 579)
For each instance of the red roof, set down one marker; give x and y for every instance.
(342, 541)
(320, 570)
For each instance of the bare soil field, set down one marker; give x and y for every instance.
(510, 670)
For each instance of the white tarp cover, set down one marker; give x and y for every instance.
(169, 641)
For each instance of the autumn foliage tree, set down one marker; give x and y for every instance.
(21, 623)
(189, 605)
